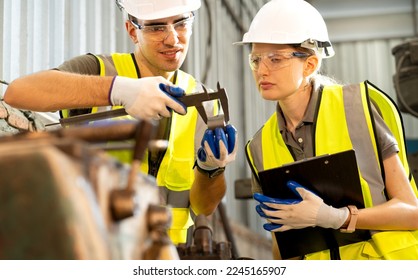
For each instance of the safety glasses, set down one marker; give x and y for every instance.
(159, 32)
(274, 60)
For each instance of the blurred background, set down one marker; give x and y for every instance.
(41, 34)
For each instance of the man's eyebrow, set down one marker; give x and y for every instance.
(165, 23)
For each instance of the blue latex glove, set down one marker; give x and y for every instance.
(218, 147)
(308, 210)
(173, 92)
(259, 208)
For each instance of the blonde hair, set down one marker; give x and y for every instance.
(317, 78)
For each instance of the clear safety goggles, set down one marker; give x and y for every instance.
(274, 60)
(159, 32)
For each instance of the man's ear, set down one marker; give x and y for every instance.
(310, 66)
(130, 28)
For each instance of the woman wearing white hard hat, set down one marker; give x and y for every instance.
(146, 83)
(317, 116)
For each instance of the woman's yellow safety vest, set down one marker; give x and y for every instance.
(175, 172)
(344, 121)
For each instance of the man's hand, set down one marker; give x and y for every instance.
(146, 98)
(307, 211)
(219, 147)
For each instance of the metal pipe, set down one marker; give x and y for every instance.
(228, 230)
(414, 17)
(208, 59)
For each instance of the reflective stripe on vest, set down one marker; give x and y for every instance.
(390, 113)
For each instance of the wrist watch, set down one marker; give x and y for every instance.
(211, 173)
(353, 220)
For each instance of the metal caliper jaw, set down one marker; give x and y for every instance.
(197, 99)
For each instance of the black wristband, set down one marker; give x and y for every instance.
(211, 173)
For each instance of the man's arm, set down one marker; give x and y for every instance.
(218, 148)
(52, 90)
(206, 193)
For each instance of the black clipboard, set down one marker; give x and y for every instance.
(335, 178)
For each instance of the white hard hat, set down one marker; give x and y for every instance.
(290, 22)
(156, 9)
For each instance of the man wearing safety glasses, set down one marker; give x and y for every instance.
(146, 83)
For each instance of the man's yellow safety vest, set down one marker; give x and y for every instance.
(175, 172)
(344, 121)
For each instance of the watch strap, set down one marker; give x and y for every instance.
(211, 173)
(351, 227)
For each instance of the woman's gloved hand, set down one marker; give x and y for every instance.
(146, 98)
(308, 211)
(219, 147)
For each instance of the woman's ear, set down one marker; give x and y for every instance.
(311, 65)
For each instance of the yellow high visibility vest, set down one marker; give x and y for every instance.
(335, 131)
(176, 169)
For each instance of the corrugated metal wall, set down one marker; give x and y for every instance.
(40, 34)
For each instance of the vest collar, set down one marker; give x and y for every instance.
(309, 116)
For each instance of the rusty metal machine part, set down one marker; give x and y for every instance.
(204, 247)
(122, 201)
(13, 120)
(58, 186)
(159, 221)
